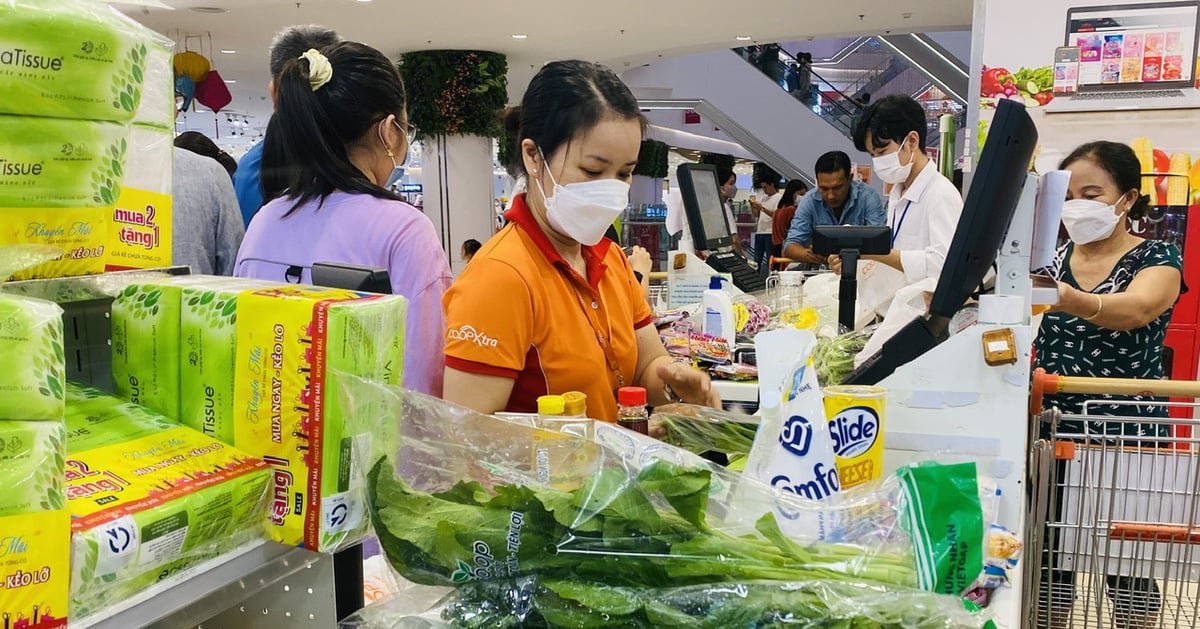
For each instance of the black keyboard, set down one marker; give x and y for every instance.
(744, 277)
(1128, 95)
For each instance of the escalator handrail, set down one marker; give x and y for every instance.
(835, 102)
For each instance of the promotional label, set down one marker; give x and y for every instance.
(34, 552)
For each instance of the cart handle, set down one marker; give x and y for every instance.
(1049, 384)
(1142, 532)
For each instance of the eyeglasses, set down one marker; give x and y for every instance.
(410, 132)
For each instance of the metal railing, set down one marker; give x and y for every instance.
(810, 88)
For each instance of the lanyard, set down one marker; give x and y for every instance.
(603, 337)
(896, 225)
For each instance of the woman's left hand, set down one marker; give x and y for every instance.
(691, 385)
(641, 261)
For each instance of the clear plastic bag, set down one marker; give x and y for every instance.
(700, 429)
(833, 357)
(811, 604)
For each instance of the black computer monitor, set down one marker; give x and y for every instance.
(987, 211)
(703, 207)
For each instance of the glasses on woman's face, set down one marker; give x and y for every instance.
(409, 130)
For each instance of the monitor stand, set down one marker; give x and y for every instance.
(848, 290)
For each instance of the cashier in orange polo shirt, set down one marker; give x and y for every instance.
(549, 305)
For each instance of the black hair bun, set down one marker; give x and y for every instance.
(1140, 208)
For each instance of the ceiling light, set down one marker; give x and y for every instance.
(206, 9)
(520, 36)
(743, 38)
(228, 51)
(231, 81)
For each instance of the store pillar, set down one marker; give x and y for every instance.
(458, 181)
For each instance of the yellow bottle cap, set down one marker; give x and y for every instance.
(575, 403)
(551, 405)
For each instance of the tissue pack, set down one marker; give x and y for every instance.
(83, 60)
(291, 345)
(149, 497)
(31, 353)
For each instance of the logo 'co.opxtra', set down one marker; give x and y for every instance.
(469, 333)
(796, 436)
(854, 431)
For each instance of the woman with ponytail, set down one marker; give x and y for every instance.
(1116, 293)
(339, 134)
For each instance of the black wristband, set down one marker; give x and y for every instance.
(638, 275)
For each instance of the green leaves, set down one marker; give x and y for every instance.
(685, 488)
(456, 92)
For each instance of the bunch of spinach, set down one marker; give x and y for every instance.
(591, 551)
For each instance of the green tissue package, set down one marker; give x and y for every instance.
(55, 163)
(31, 352)
(145, 346)
(149, 498)
(83, 60)
(31, 466)
(208, 332)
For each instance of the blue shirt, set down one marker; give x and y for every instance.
(247, 181)
(864, 207)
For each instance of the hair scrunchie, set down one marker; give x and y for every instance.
(319, 68)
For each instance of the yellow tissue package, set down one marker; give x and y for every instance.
(149, 497)
(291, 344)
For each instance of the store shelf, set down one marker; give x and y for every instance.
(259, 585)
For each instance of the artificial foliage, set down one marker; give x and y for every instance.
(652, 159)
(717, 159)
(456, 92)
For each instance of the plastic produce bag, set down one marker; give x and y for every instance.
(812, 604)
(700, 429)
(833, 358)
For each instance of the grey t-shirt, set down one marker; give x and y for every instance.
(206, 220)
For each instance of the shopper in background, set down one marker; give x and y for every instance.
(289, 44)
(200, 144)
(341, 128)
(206, 226)
(549, 305)
(764, 213)
(924, 206)
(729, 190)
(1116, 293)
(793, 193)
(469, 249)
(838, 200)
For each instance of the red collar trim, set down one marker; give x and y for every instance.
(593, 257)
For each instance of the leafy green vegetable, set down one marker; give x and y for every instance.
(701, 430)
(833, 358)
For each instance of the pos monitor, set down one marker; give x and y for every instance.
(987, 212)
(702, 204)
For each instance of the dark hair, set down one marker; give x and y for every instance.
(293, 41)
(723, 175)
(891, 118)
(832, 162)
(764, 174)
(865, 98)
(1121, 163)
(789, 192)
(305, 154)
(564, 99)
(200, 144)
(471, 246)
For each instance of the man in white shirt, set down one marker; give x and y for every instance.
(764, 213)
(923, 207)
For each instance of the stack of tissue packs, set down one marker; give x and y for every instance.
(34, 522)
(86, 113)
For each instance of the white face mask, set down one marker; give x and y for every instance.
(1089, 221)
(890, 170)
(584, 210)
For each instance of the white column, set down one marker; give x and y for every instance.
(457, 174)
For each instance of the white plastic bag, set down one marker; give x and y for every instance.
(908, 304)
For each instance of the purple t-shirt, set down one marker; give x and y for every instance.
(362, 230)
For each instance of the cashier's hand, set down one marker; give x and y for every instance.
(691, 385)
(640, 260)
(835, 264)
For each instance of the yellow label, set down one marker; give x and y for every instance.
(273, 394)
(133, 234)
(35, 550)
(856, 424)
(124, 478)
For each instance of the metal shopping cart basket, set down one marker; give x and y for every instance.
(1113, 536)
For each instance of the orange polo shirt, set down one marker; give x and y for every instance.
(520, 311)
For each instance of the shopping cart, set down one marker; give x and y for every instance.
(1113, 537)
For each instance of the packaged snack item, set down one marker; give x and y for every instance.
(293, 346)
(149, 497)
(856, 424)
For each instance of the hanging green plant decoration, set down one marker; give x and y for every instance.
(456, 92)
(652, 159)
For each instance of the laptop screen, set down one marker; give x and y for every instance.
(1128, 46)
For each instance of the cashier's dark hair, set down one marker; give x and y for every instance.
(565, 99)
(306, 151)
(1121, 163)
(891, 118)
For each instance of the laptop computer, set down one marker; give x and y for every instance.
(1133, 56)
